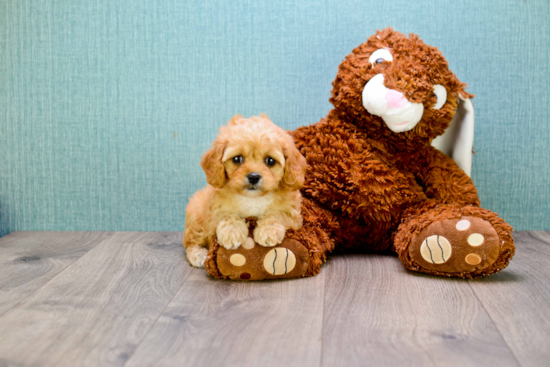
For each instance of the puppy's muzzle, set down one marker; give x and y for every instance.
(254, 178)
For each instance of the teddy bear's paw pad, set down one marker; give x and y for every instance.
(254, 262)
(458, 245)
(279, 261)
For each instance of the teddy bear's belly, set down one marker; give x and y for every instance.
(372, 230)
(368, 224)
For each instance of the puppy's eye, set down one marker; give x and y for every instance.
(238, 159)
(379, 61)
(270, 161)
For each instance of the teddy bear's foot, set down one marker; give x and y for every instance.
(254, 262)
(459, 245)
(458, 242)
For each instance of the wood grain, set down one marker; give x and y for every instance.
(214, 322)
(130, 298)
(379, 314)
(518, 299)
(28, 260)
(99, 309)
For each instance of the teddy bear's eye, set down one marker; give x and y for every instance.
(270, 161)
(238, 159)
(379, 56)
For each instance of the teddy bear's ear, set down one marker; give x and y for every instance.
(458, 140)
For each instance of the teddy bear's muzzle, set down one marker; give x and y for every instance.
(392, 106)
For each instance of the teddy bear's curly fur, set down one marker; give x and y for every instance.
(376, 188)
(371, 189)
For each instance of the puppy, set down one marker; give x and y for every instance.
(253, 170)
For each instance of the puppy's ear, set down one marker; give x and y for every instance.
(295, 167)
(212, 165)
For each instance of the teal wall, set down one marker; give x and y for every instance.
(106, 106)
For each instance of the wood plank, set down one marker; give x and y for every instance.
(28, 260)
(12, 237)
(518, 299)
(99, 309)
(377, 313)
(214, 322)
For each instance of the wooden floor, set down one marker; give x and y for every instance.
(131, 299)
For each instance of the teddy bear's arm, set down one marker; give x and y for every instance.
(444, 181)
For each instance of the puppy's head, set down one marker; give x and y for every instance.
(252, 157)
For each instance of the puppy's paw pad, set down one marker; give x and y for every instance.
(269, 235)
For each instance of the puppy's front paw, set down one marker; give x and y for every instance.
(232, 234)
(269, 235)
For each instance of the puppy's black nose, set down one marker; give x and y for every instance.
(254, 178)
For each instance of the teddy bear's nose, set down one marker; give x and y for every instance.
(254, 178)
(395, 99)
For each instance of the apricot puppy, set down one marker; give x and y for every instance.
(253, 170)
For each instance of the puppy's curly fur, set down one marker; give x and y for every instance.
(253, 170)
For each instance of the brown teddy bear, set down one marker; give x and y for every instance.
(375, 183)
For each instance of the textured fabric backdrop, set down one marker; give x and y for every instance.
(106, 106)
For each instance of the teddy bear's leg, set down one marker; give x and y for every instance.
(453, 241)
(316, 234)
(251, 261)
(301, 253)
